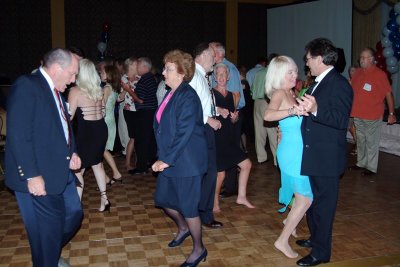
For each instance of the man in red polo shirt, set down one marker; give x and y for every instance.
(371, 87)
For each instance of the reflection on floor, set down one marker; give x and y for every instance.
(135, 233)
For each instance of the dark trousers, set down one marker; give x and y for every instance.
(50, 221)
(231, 181)
(321, 214)
(145, 146)
(209, 180)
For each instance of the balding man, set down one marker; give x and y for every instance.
(41, 155)
(371, 87)
(204, 59)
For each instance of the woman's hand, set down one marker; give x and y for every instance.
(159, 166)
(223, 112)
(234, 116)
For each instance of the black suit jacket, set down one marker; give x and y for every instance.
(324, 135)
(36, 143)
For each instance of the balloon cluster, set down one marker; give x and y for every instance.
(104, 39)
(388, 49)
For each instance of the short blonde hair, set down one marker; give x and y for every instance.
(276, 72)
(88, 80)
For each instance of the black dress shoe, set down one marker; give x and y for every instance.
(355, 168)
(214, 224)
(309, 260)
(175, 243)
(137, 171)
(226, 194)
(367, 173)
(305, 243)
(202, 257)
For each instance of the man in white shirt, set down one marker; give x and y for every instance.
(204, 59)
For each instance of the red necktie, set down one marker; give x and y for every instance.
(63, 114)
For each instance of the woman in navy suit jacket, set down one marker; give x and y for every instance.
(182, 153)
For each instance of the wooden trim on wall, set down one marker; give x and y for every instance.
(57, 23)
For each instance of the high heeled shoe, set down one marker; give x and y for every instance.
(202, 257)
(107, 207)
(175, 243)
(114, 180)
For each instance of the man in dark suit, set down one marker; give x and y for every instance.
(40, 157)
(328, 104)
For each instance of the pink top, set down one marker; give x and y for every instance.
(162, 106)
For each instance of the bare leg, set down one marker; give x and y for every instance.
(110, 161)
(245, 167)
(80, 178)
(129, 153)
(220, 180)
(100, 176)
(195, 230)
(300, 206)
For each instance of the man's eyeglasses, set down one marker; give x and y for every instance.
(308, 58)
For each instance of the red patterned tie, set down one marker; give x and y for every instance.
(63, 114)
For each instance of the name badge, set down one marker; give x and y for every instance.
(367, 87)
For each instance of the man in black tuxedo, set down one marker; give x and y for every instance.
(41, 157)
(328, 104)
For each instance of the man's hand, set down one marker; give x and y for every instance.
(75, 162)
(159, 166)
(215, 124)
(391, 119)
(308, 103)
(36, 186)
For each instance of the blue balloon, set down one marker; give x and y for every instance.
(393, 14)
(397, 8)
(394, 36)
(386, 42)
(396, 45)
(385, 30)
(393, 69)
(105, 37)
(388, 52)
(397, 54)
(392, 25)
(391, 61)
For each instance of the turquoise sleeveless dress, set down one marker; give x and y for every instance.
(289, 154)
(110, 120)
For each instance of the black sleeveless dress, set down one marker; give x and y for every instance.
(91, 138)
(229, 153)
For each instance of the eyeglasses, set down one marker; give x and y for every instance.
(167, 69)
(308, 58)
(367, 57)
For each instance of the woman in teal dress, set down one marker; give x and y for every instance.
(111, 76)
(280, 79)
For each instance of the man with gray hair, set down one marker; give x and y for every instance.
(41, 156)
(146, 90)
(371, 88)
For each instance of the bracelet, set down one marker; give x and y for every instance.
(391, 113)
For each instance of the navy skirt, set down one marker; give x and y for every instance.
(179, 193)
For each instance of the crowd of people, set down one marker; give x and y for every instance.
(191, 129)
